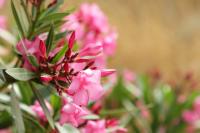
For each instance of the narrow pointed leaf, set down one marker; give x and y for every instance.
(20, 74)
(49, 41)
(17, 115)
(60, 54)
(32, 59)
(60, 35)
(43, 105)
(53, 17)
(17, 19)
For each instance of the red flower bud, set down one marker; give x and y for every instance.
(46, 78)
(71, 40)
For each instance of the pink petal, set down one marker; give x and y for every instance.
(71, 40)
(106, 72)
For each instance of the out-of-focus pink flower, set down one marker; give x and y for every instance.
(190, 117)
(92, 27)
(129, 76)
(3, 22)
(39, 111)
(94, 127)
(197, 105)
(72, 113)
(86, 87)
(5, 130)
(109, 43)
(2, 3)
(143, 109)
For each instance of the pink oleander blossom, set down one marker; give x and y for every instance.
(196, 105)
(5, 130)
(3, 22)
(95, 127)
(26, 47)
(2, 3)
(67, 69)
(100, 126)
(86, 87)
(91, 26)
(72, 113)
(39, 111)
(128, 76)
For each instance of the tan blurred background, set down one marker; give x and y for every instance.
(162, 34)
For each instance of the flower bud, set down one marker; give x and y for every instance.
(46, 78)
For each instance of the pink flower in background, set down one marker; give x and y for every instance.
(190, 116)
(72, 113)
(95, 127)
(92, 27)
(86, 87)
(5, 130)
(39, 111)
(2, 3)
(3, 22)
(197, 105)
(100, 126)
(129, 76)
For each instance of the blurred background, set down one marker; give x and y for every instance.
(153, 34)
(161, 34)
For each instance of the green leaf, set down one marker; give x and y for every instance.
(32, 59)
(51, 9)
(50, 38)
(5, 119)
(32, 125)
(52, 17)
(17, 115)
(43, 105)
(45, 27)
(60, 35)
(26, 92)
(17, 19)
(55, 102)
(60, 54)
(66, 128)
(20, 74)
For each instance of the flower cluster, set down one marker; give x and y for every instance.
(75, 68)
(74, 74)
(92, 28)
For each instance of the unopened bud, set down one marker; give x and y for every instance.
(46, 78)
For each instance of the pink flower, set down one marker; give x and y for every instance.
(95, 127)
(2, 22)
(109, 43)
(5, 130)
(2, 3)
(36, 48)
(86, 87)
(92, 28)
(190, 117)
(197, 105)
(39, 111)
(72, 113)
(129, 76)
